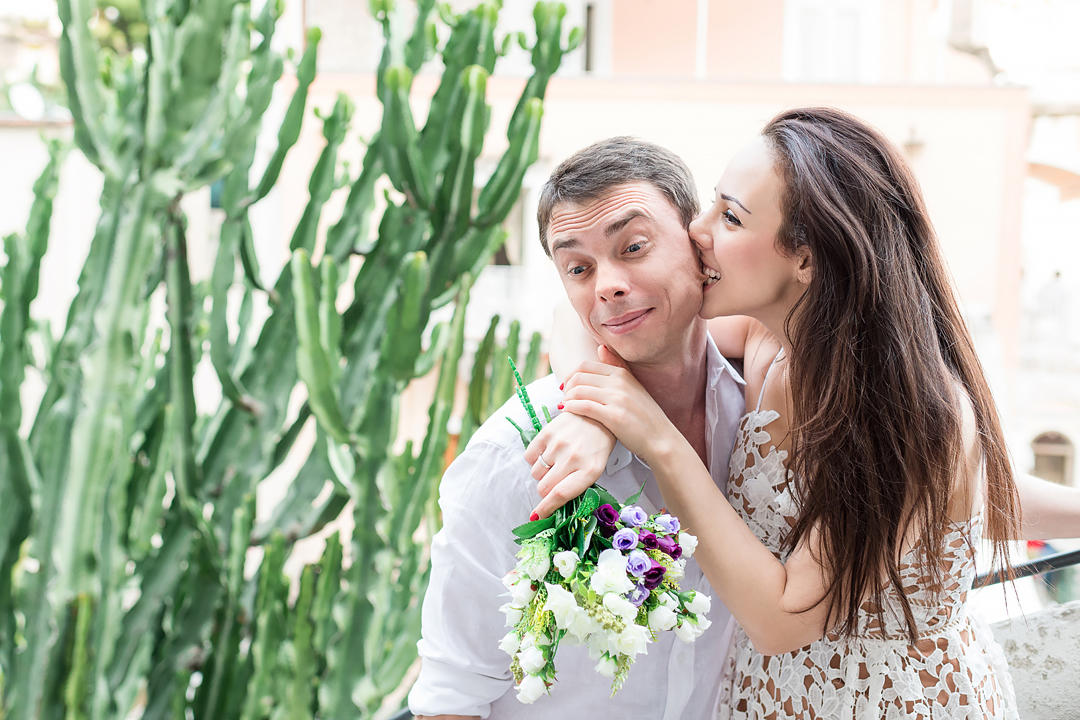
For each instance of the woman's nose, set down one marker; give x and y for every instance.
(699, 232)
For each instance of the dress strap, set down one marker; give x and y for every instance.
(761, 394)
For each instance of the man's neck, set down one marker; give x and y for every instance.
(677, 383)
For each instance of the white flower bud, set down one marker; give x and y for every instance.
(688, 543)
(531, 660)
(662, 618)
(566, 562)
(510, 643)
(530, 689)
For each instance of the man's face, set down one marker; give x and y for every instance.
(630, 271)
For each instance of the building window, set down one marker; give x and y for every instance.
(1054, 455)
(833, 41)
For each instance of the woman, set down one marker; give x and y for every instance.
(872, 461)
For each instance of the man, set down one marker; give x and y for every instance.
(613, 219)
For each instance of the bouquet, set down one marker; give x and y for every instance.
(597, 573)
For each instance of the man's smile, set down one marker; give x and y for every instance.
(626, 322)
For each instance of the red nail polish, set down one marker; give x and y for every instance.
(534, 517)
(561, 385)
(560, 406)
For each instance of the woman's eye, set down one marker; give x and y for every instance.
(731, 218)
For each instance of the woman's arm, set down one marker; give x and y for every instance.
(767, 597)
(730, 334)
(1048, 510)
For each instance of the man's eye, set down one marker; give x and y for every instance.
(731, 218)
(576, 270)
(634, 247)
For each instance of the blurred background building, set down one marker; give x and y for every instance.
(983, 96)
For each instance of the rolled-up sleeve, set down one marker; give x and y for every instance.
(484, 493)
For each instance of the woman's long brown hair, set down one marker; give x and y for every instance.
(878, 345)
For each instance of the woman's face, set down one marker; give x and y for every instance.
(737, 238)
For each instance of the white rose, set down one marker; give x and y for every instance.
(598, 644)
(669, 601)
(522, 593)
(562, 605)
(610, 575)
(688, 543)
(510, 643)
(566, 563)
(611, 558)
(511, 579)
(677, 570)
(689, 631)
(662, 618)
(621, 607)
(582, 625)
(607, 666)
(512, 612)
(534, 558)
(699, 604)
(530, 689)
(531, 660)
(632, 641)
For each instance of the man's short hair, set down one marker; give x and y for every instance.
(588, 174)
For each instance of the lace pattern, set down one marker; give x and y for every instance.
(954, 670)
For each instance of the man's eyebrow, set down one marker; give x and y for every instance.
(564, 244)
(624, 221)
(736, 201)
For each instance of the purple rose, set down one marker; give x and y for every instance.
(605, 530)
(668, 523)
(637, 563)
(638, 595)
(632, 515)
(625, 539)
(670, 547)
(653, 576)
(606, 515)
(648, 540)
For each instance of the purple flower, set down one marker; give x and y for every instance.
(638, 595)
(633, 516)
(653, 576)
(648, 540)
(637, 563)
(668, 523)
(625, 539)
(606, 515)
(670, 547)
(605, 530)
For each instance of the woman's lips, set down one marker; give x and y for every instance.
(626, 322)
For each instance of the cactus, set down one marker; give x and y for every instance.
(140, 581)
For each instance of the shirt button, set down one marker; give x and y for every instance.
(620, 457)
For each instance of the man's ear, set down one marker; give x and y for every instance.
(804, 267)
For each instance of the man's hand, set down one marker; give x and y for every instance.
(567, 457)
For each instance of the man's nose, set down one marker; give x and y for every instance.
(611, 283)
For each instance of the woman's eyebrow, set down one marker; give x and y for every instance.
(731, 199)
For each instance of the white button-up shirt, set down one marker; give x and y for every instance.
(485, 493)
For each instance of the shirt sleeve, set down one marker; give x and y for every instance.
(484, 493)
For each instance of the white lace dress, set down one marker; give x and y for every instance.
(954, 670)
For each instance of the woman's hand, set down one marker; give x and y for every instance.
(567, 457)
(608, 393)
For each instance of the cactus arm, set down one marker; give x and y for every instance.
(502, 190)
(345, 236)
(316, 361)
(300, 691)
(401, 342)
(322, 181)
(401, 156)
(289, 132)
(87, 97)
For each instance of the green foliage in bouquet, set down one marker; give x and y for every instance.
(135, 579)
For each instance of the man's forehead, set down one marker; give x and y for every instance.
(640, 199)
